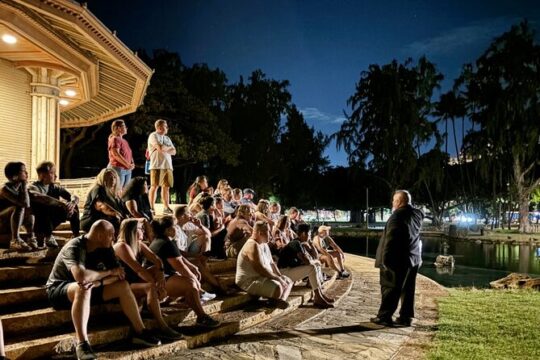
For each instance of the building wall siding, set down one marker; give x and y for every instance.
(15, 116)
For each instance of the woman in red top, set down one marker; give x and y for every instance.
(120, 155)
(199, 185)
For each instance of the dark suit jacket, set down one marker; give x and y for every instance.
(400, 245)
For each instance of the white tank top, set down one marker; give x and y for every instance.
(245, 273)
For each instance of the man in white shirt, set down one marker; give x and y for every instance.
(161, 150)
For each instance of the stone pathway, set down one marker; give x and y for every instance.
(340, 333)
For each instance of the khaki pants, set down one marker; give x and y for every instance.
(300, 272)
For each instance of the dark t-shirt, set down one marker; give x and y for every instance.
(143, 204)
(75, 253)
(288, 257)
(91, 214)
(205, 218)
(165, 249)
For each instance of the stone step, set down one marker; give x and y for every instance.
(22, 274)
(32, 321)
(23, 346)
(232, 322)
(34, 295)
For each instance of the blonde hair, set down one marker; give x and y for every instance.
(159, 122)
(100, 180)
(260, 226)
(116, 124)
(263, 206)
(128, 234)
(243, 209)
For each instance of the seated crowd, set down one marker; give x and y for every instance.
(129, 254)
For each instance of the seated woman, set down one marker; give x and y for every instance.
(281, 235)
(238, 231)
(331, 254)
(103, 201)
(220, 187)
(15, 207)
(263, 212)
(136, 200)
(182, 277)
(193, 241)
(199, 185)
(148, 283)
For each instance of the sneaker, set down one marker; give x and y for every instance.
(84, 351)
(344, 274)
(51, 242)
(207, 321)
(145, 338)
(20, 245)
(206, 296)
(169, 334)
(32, 242)
(167, 211)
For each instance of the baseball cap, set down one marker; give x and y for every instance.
(323, 228)
(249, 191)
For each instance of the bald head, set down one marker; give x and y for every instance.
(400, 199)
(101, 233)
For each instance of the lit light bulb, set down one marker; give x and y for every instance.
(9, 39)
(63, 102)
(70, 93)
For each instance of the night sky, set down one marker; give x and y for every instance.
(321, 47)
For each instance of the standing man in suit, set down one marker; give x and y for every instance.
(399, 256)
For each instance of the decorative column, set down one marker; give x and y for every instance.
(45, 93)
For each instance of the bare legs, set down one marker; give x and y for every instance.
(2, 349)
(152, 196)
(178, 286)
(150, 292)
(80, 309)
(152, 192)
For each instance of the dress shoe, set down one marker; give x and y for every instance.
(382, 321)
(404, 322)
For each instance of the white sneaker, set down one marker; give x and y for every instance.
(206, 296)
(19, 245)
(32, 242)
(51, 242)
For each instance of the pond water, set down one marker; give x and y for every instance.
(476, 264)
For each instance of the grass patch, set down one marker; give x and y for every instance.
(488, 324)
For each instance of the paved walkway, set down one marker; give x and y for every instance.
(340, 333)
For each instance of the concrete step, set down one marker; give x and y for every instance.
(221, 266)
(21, 274)
(21, 296)
(23, 346)
(232, 322)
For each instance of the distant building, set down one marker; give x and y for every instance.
(60, 67)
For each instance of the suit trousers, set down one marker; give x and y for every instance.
(396, 284)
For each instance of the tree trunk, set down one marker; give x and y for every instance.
(524, 225)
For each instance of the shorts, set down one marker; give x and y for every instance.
(161, 177)
(262, 286)
(58, 295)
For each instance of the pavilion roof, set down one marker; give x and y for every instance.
(108, 78)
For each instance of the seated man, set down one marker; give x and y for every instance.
(296, 262)
(15, 207)
(48, 209)
(331, 254)
(256, 272)
(85, 272)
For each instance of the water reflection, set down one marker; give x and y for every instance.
(476, 263)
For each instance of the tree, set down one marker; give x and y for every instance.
(501, 96)
(390, 120)
(301, 161)
(255, 109)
